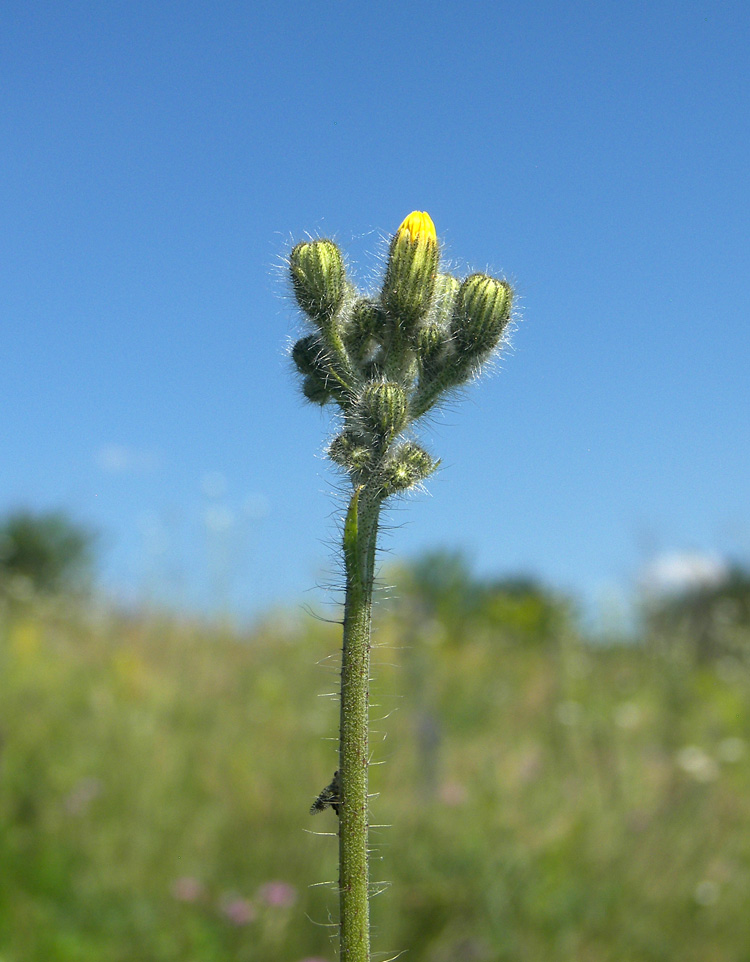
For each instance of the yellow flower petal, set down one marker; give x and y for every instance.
(418, 222)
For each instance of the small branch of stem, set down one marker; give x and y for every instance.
(360, 537)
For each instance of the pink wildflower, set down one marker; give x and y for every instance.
(453, 794)
(280, 895)
(187, 889)
(239, 911)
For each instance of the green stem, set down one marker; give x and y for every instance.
(427, 394)
(360, 537)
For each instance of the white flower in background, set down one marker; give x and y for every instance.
(628, 715)
(696, 763)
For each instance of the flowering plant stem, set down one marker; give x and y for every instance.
(360, 536)
(385, 361)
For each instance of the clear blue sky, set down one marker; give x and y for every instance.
(156, 161)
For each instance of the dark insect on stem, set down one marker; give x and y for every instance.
(329, 797)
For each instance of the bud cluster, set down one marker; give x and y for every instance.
(387, 360)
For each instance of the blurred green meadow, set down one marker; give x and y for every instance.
(538, 795)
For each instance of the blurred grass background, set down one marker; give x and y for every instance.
(542, 795)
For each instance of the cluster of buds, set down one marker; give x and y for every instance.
(385, 361)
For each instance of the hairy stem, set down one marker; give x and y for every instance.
(360, 536)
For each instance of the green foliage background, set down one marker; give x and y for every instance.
(544, 797)
(46, 553)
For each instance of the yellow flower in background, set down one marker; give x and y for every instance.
(131, 672)
(25, 639)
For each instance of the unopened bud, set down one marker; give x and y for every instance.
(317, 270)
(480, 315)
(446, 292)
(412, 268)
(349, 451)
(307, 354)
(315, 389)
(365, 322)
(409, 465)
(431, 342)
(384, 407)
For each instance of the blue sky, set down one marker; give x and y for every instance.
(158, 159)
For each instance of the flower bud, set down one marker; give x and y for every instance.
(446, 292)
(364, 324)
(480, 315)
(307, 354)
(383, 407)
(315, 389)
(349, 451)
(409, 465)
(412, 269)
(431, 342)
(317, 271)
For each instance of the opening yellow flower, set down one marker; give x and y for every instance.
(409, 281)
(418, 222)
